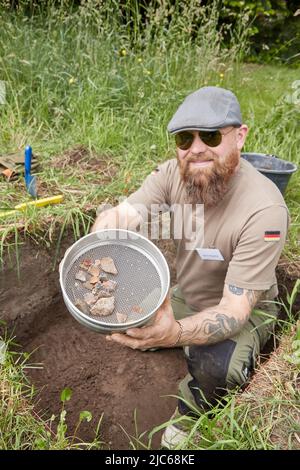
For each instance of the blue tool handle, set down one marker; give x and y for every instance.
(28, 156)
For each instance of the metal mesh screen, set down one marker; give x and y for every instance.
(138, 281)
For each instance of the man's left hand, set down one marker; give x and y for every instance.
(162, 333)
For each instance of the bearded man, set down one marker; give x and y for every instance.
(226, 277)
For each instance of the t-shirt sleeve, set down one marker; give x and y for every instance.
(153, 195)
(258, 249)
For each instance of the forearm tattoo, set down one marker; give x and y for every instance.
(236, 290)
(212, 328)
(252, 295)
(218, 327)
(218, 323)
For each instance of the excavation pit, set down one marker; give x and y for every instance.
(106, 378)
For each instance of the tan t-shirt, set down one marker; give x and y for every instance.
(247, 228)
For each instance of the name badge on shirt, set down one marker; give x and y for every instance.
(210, 254)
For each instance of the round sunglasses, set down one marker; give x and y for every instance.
(185, 139)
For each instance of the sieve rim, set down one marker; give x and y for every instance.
(90, 321)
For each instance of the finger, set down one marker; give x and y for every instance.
(138, 333)
(127, 341)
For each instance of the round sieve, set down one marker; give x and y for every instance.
(143, 278)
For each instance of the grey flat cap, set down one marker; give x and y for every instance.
(208, 108)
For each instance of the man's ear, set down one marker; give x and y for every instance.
(241, 136)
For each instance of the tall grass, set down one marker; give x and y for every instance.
(88, 73)
(108, 78)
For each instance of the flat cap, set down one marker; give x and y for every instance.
(209, 108)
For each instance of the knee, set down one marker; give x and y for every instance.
(209, 365)
(242, 366)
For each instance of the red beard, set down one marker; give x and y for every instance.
(209, 184)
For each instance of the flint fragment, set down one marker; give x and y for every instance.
(137, 309)
(121, 317)
(108, 265)
(103, 307)
(89, 298)
(81, 276)
(110, 285)
(82, 306)
(86, 263)
(88, 285)
(94, 271)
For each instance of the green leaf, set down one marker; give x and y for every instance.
(66, 394)
(295, 291)
(85, 415)
(41, 444)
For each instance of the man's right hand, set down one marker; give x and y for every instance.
(123, 216)
(107, 219)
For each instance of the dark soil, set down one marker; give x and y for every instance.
(88, 161)
(105, 378)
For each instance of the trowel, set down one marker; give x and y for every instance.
(31, 185)
(30, 181)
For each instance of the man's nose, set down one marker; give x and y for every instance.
(197, 146)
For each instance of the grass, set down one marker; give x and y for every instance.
(83, 79)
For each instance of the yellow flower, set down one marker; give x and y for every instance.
(140, 60)
(123, 52)
(221, 75)
(72, 80)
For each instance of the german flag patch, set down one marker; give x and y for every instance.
(272, 236)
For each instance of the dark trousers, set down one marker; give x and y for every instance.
(217, 368)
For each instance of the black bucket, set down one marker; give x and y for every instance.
(277, 170)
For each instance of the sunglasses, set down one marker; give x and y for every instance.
(185, 139)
